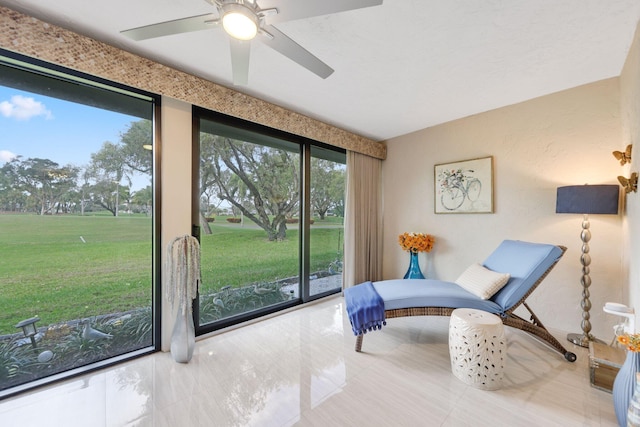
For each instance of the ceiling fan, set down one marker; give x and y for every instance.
(245, 19)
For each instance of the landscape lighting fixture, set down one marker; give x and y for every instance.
(29, 329)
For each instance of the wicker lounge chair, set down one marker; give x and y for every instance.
(527, 263)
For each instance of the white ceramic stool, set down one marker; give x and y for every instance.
(477, 347)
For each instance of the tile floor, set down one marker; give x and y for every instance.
(300, 369)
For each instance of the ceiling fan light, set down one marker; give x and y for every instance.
(240, 24)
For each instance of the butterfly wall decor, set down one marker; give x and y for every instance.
(629, 184)
(624, 157)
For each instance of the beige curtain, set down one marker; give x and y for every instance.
(363, 220)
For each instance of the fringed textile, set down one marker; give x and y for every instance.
(183, 272)
(365, 308)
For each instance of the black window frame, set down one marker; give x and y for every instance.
(84, 81)
(245, 127)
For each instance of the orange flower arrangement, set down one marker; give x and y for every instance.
(416, 242)
(630, 341)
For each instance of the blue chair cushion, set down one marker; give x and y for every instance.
(409, 293)
(525, 262)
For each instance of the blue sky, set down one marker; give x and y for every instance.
(32, 125)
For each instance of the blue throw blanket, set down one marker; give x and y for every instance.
(365, 308)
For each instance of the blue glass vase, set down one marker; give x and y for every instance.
(623, 386)
(414, 267)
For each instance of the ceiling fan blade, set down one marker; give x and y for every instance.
(291, 10)
(240, 61)
(295, 52)
(184, 25)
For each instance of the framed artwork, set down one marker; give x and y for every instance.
(464, 187)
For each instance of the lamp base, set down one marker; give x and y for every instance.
(583, 340)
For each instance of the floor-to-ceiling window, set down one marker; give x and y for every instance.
(269, 211)
(326, 194)
(77, 223)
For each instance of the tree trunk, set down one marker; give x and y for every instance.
(204, 225)
(282, 231)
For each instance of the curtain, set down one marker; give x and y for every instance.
(363, 220)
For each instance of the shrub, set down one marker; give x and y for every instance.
(14, 360)
(234, 220)
(211, 219)
(130, 331)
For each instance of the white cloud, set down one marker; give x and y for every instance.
(6, 156)
(23, 108)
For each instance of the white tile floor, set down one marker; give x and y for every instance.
(300, 368)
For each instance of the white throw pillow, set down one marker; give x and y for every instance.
(481, 281)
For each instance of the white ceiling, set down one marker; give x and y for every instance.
(399, 67)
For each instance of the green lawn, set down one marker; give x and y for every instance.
(68, 267)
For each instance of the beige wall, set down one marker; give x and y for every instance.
(560, 139)
(175, 142)
(630, 115)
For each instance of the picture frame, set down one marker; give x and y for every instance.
(465, 186)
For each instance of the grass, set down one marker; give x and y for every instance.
(47, 270)
(234, 256)
(69, 267)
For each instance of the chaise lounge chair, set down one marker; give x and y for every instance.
(526, 263)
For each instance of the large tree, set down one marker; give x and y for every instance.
(108, 194)
(43, 182)
(260, 181)
(135, 145)
(12, 198)
(143, 199)
(108, 169)
(327, 186)
(119, 163)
